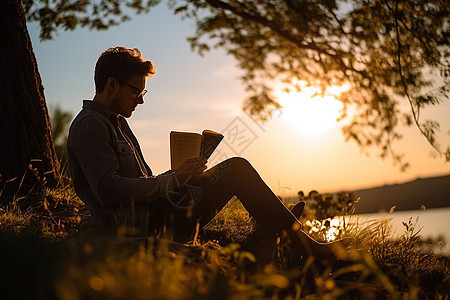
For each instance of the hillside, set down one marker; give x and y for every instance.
(433, 192)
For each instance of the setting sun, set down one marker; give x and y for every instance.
(307, 110)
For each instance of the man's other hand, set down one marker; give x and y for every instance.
(193, 166)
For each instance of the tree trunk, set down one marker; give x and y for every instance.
(25, 132)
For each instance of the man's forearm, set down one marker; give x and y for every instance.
(116, 190)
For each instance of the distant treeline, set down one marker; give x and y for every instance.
(431, 192)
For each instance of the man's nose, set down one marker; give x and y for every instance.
(140, 100)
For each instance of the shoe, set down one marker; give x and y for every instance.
(309, 247)
(298, 208)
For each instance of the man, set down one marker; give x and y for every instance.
(112, 178)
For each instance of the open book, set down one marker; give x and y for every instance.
(185, 145)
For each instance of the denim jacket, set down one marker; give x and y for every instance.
(105, 171)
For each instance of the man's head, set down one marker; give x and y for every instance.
(120, 77)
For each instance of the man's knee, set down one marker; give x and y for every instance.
(233, 167)
(233, 170)
(239, 163)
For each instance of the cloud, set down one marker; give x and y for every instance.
(227, 71)
(227, 108)
(138, 124)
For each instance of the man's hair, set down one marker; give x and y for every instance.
(122, 64)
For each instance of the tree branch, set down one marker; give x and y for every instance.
(264, 22)
(405, 87)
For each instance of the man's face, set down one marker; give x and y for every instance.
(128, 96)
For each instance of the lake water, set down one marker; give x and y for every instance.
(434, 222)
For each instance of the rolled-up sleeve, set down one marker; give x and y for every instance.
(166, 183)
(92, 148)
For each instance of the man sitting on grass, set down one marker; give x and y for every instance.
(112, 178)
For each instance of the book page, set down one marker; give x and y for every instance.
(183, 145)
(211, 140)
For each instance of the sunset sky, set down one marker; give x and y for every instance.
(295, 150)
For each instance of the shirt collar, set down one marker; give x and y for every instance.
(95, 106)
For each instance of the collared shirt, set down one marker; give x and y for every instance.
(108, 169)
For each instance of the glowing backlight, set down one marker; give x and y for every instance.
(308, 110)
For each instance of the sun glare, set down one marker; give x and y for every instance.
(332, 232)
(307, 110)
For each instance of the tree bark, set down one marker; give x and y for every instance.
(25, 130)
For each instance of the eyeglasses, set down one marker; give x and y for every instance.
(141, 93)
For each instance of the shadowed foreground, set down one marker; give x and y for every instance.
(49, 251)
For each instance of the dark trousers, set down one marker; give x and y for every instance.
(232, 177)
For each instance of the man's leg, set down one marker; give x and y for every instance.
(237, 177)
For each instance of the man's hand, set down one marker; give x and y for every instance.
(189, 168)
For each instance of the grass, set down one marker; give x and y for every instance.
(49, 251)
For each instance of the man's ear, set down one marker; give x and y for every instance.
(111, 85)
